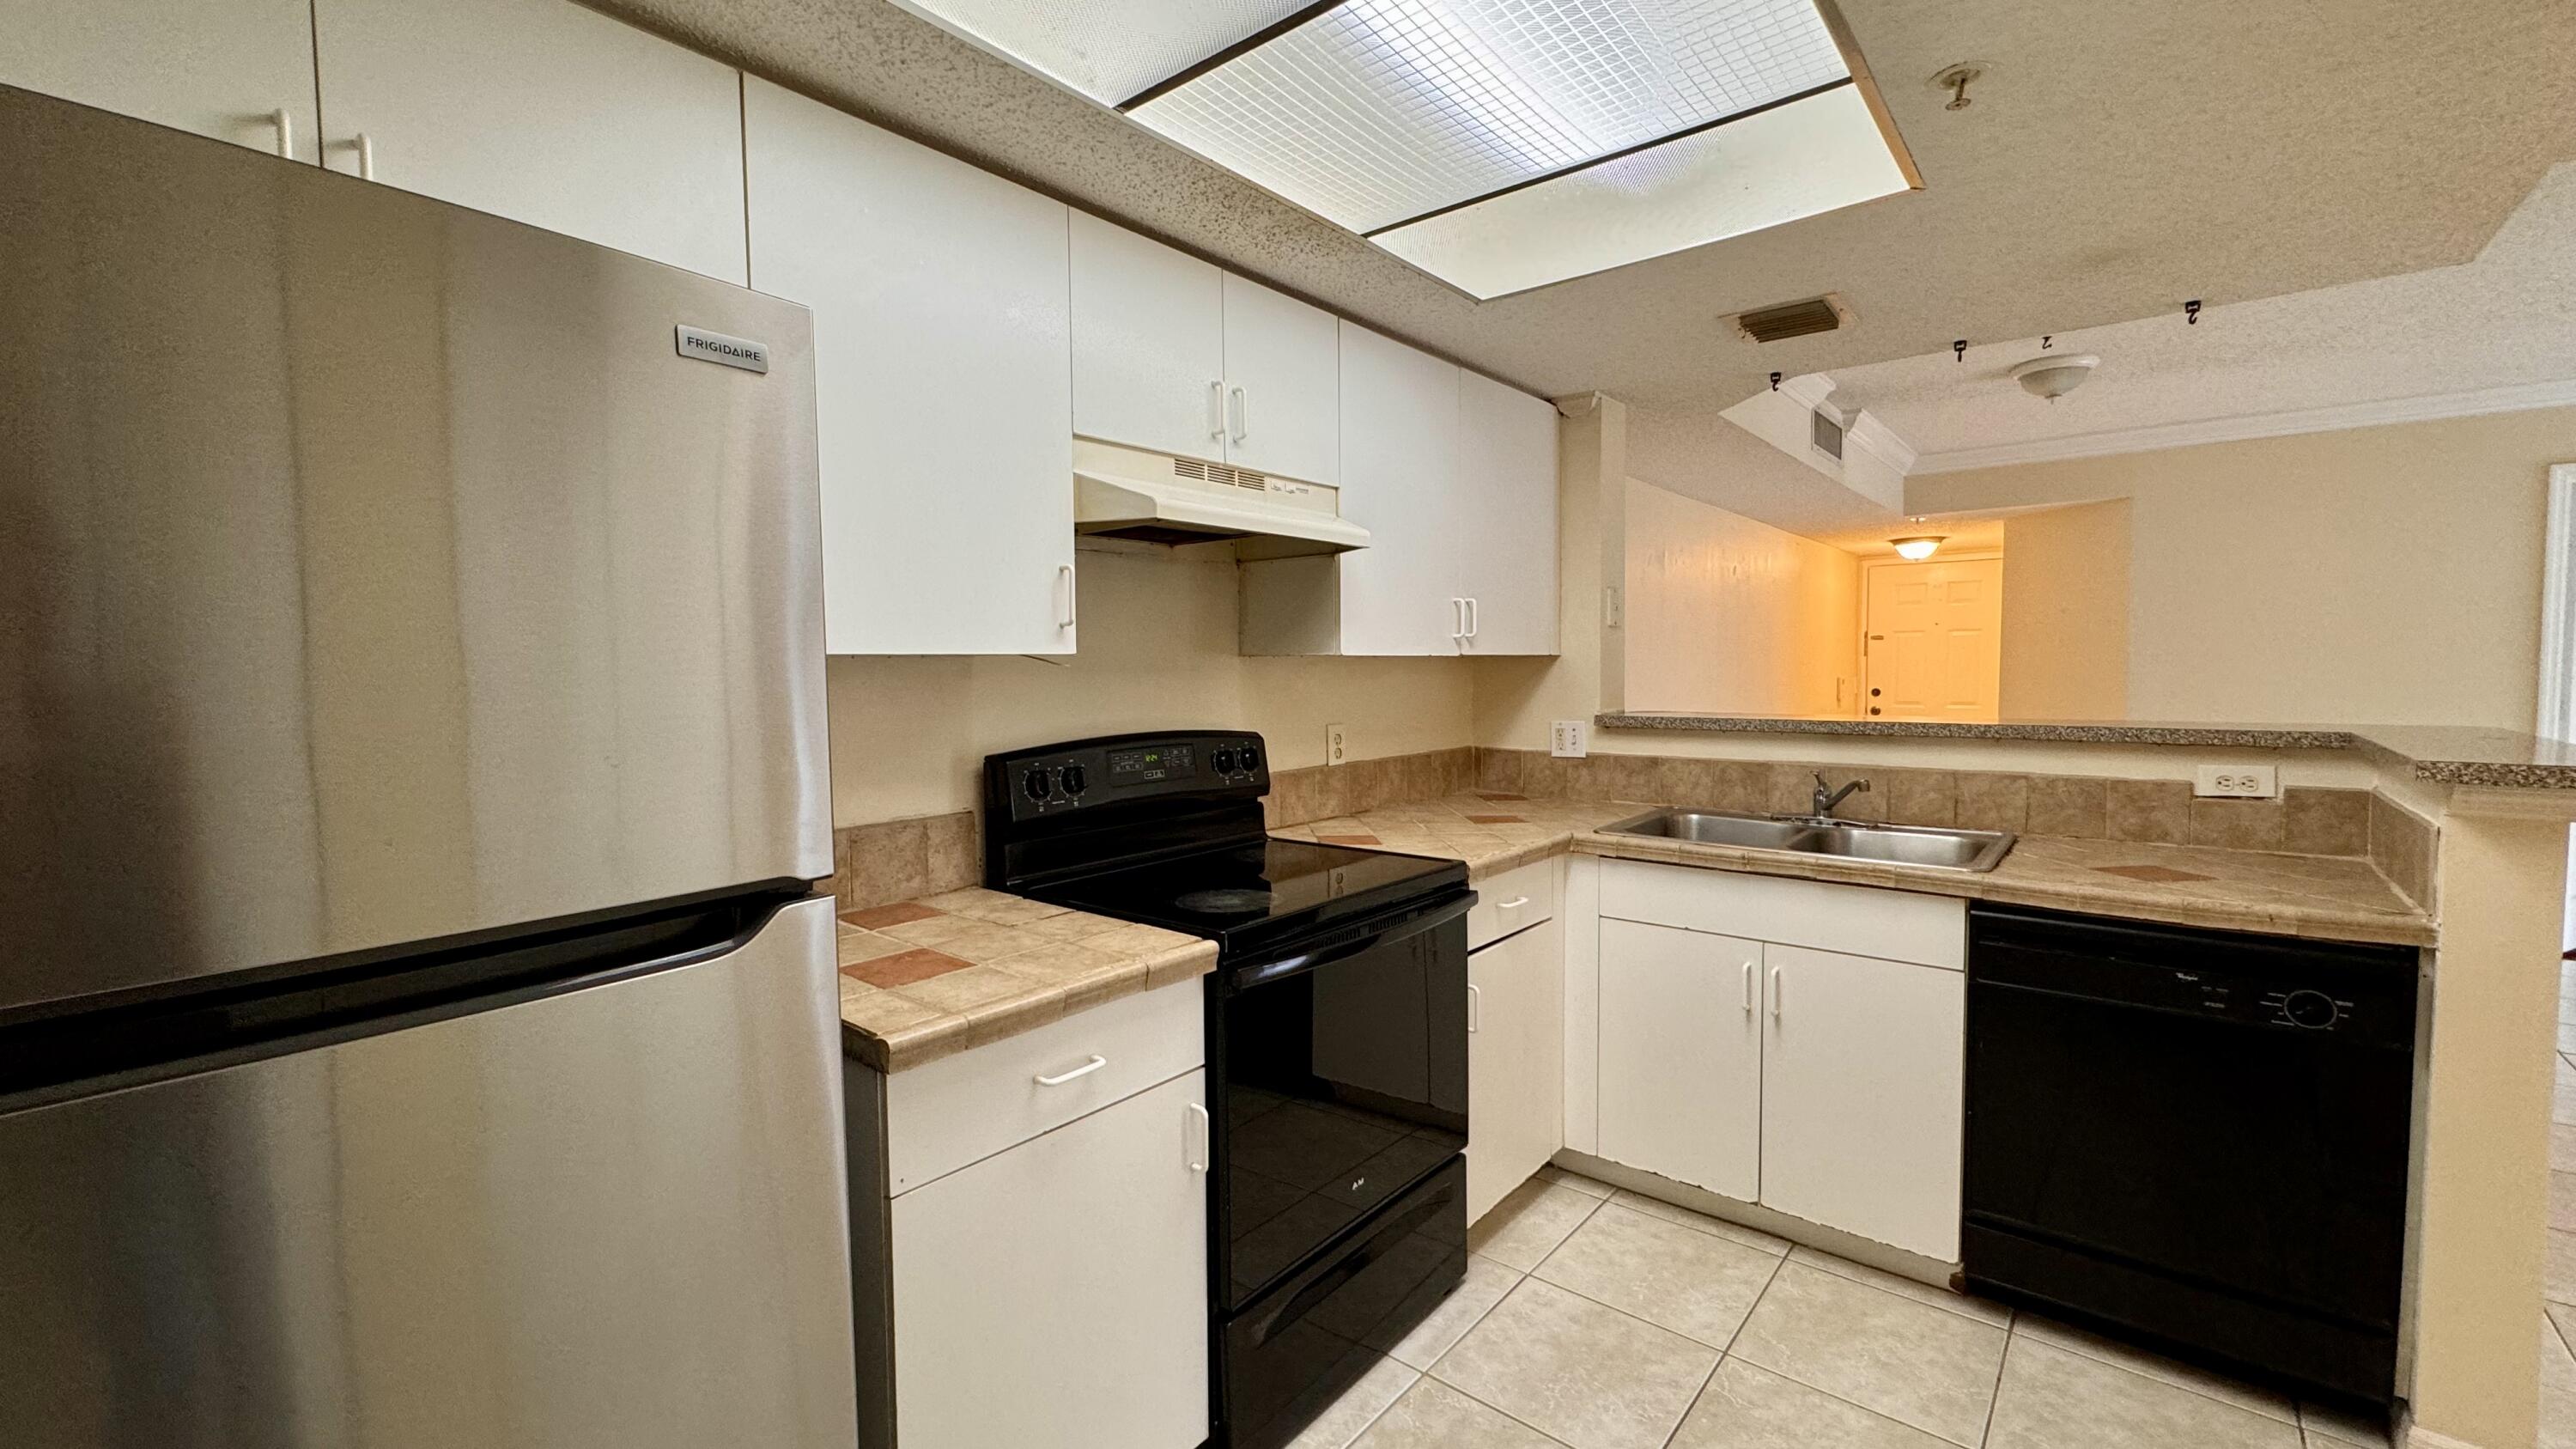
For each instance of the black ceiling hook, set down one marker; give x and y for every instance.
(2191, 313)
(1959, 350)
(1775, 382)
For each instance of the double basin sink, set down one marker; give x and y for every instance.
(1917, 845)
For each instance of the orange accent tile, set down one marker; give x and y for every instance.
(1348, 840)
(1495, 819)
(904, 967)
(2160, 873)
(878, 917)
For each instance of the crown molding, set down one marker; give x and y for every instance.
(2517, 398)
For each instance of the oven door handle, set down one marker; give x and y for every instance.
(1360, 937)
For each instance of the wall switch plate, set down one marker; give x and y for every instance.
(1610, 607)
(2237, 782)
(1332, 744)
(1570, 739)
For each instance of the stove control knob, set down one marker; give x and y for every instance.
(1035, 784)
(2312, 1009)
(1072, 778)
(1223, 759)
(1249, 758)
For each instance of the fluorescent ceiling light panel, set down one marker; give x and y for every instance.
(1379, 112)
(1109, 50)
(1796, 160)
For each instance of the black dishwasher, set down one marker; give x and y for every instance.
(2193, 1137)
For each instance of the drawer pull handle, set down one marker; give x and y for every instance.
(1514, 904)
(1475, 1010)
(1086, 1069)
(1195, 1152)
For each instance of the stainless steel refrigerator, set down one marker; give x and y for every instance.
(417, 1015)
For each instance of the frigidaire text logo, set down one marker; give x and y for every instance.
(715, 347)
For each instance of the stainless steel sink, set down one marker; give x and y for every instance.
(1919, 845)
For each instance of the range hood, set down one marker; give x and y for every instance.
(1121, 492)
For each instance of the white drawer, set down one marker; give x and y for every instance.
(1522, 896)
(945, 1114)
(1892, 925)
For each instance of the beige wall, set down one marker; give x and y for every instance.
(2066, 613)
(1728, 615)
(1158, 651)
(2377, 575)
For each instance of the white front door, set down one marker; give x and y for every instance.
(1934, 639)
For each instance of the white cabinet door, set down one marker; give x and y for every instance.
(1148, 343)
(545, 112)
(1861, 1096)
(222, 70)
(1399, 453)
(1283, 389)
(1515, 1062)
(1056, 1293)
(1681, 1055)
(1506, 516)
(944, 373)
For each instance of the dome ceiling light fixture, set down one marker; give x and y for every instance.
(2053, 377)
(1919, 546)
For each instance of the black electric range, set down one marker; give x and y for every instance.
(1336, 1046)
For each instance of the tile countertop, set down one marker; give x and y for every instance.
(923, 979)
(2333, 898)
(2445, 754)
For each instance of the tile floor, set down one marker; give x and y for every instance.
(1596, 1319)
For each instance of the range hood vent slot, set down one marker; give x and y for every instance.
(1221, 473)
(1793, 319)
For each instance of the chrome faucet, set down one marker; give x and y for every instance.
(1827, 797)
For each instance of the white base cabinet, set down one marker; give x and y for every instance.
(1056, 1293)
(1681, 1055)
(1515, 1060)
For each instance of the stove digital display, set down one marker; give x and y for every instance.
(1153, 764)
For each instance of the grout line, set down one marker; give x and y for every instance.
(1995, 1395)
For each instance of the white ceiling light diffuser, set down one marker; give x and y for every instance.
(1109, 50)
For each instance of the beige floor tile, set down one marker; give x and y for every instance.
(1693, 1283)
(2563, 1318)
(1588, 1375)
(1528, 1223)
(2332, 1428)
(2562, 1102)
(1432, 1415)
(2567, 1037)
(1745, 1407)
(2156, 1366)
(1358, 1407)
(1925, 1366)
(1589, 1187)
(2562, 1147)
(1657, 1208)
(2054, 1398)
(2558, 1272)
(2562, 1201)
(2557, 1391)
(1486, 1282)
(1984, 1310)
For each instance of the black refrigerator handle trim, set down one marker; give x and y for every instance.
(1357, 938)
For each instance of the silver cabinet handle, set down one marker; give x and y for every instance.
(284, 120)
(1475, 1009)
(1514, 904)
(1748, 988)
(1775, 993)
(1216, 409)
(1473, 621)
(1064, 576)
(1086, 1069)
(1242, 415)
(1194, 1137)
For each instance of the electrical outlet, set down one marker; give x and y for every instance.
(2237, 782)
(1332, 744)
(1570, 739)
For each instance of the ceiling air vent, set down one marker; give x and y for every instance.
(1792, 319)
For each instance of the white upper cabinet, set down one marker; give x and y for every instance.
(1506, 517)
(1282, 381)
(1170, 353)
(233, 71)
(1149, 343)
(943, 373)
(1399, 453)
(542, 111)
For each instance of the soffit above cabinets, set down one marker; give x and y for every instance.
(1498, 145)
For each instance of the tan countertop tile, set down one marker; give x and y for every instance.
(2338, 898)
(923, 979)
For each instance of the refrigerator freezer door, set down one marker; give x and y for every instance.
(608, 1218)
(377, 571)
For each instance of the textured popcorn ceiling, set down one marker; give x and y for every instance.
(2117, 159)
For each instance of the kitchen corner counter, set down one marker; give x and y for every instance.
(2338, 898)
(925, 979)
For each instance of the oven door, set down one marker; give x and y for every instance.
(1343, 1073)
